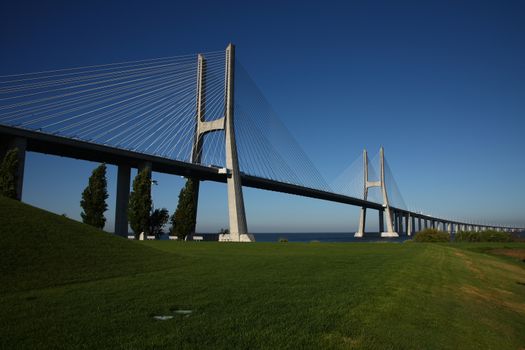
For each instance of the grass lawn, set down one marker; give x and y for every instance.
(65, 285)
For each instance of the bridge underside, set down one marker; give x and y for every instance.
(65, 147)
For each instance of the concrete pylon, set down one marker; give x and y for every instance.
(237, 215)
(381, 221)
(202, 127)
(362, 216)
(381, 183)
(390, 231)
(410, 224)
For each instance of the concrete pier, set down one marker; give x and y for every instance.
(381, 221)
(122, 200)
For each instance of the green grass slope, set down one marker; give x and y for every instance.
(40, 249)
(254, 296)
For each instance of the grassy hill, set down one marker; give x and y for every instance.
(65, 286)
(41, 249)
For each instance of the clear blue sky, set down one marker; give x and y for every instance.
(440, 84)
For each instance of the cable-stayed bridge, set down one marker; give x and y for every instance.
(198, 116)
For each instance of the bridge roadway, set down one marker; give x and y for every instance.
(74, 148)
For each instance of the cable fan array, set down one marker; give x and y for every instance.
(266, 148)
(351, 183)
(146, 106)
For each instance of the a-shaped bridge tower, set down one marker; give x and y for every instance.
(237, 216)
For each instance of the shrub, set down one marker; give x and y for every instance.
(483, 236)
(283, 240)
(431, 235)
(466, 236)
(157, 220)
(224, 231)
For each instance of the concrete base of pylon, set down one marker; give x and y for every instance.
(358, 235)
(389, 234)
(244, 238)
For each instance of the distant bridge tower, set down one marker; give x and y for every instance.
(237, 215)
(381, 183)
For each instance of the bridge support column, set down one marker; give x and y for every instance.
(362, 223)
(409, 225)
(200, 130)
(401, 228)
(362, 215)
(20, 144)
(237, 215)
(390, 232)
(121, 207)
(396, 221)
(413, 227)
(381, 221)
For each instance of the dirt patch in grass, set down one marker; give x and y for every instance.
(494, 297)
(470, 265)
(515, 252)
(515, 271)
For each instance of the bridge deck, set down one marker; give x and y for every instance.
(79, 149)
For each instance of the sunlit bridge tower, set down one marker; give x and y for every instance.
(236, 213)
(386, 206)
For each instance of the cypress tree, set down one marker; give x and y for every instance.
(8, 174)
(183, 220)
(94, 198)
(140, 203)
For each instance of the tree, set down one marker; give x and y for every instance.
(94, 198)
(184, 218)
(8, 174)
(158, 218)
(140, 203)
